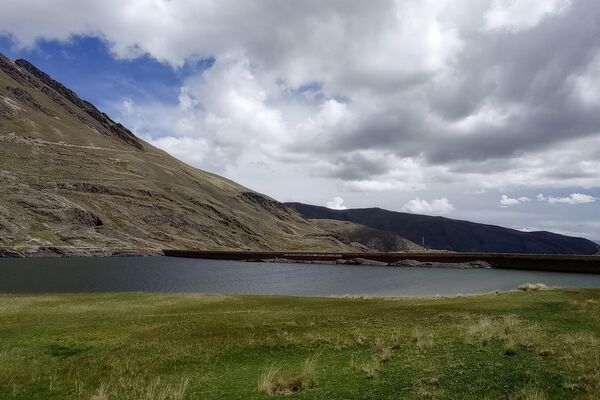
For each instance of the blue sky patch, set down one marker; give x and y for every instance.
(86, 65)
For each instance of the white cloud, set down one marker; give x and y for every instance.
(586, 229)
(518, 15)
(363, 94)
(127, 107)
(585, 85)
(573, 198)
(436, 207)
(336, 204)
(509, 201)
(399, 175)
(221, 115)
(385, 185)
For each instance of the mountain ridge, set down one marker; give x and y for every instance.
(443, 233)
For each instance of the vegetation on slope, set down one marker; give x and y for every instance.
(372, 239)
(540, 344)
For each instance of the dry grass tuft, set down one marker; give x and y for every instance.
(533, 287)
(101, 394)
(141, 389)
(308, 373)
(425, 393)
(422, 340)
(509, 329)
(157, 391)
(371, 368)
(529, 393)
(273, 382)
(510, 347)
(382, 353)
(385, 354)
(506, 329)
(484, 331)
(267, 380)
(546, 353)
(510, 324)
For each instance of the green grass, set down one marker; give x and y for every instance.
(45, 235)
(518, 345)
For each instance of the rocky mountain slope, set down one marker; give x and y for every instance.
(71, 176)
(455, 235)
(372, 239)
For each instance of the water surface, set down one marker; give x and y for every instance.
(172, 274)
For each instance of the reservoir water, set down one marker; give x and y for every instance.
(170, 274)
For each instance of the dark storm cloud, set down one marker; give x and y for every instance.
(357, 166)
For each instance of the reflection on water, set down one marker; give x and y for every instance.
(167, 274)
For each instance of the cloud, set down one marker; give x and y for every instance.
(573, 198)
(468, 97)
(127, 107)
(518, 15)
(586, 84)
(436, 207)
(589, 229)
(336, 204)
(508, 201)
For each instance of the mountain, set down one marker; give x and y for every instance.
(71, 176)
(454, 235)
(372, 239)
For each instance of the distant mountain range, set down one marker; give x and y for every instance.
(454, 235)
(72, 177)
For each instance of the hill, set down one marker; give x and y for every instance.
(71, 176)
(372, 239)
(454, 235)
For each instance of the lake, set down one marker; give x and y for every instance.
(173, 274)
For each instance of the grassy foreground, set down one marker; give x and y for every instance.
(519, 345)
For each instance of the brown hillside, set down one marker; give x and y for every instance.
(71, 176)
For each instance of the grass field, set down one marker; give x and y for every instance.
(520, 345)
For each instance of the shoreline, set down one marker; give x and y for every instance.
(60, 251)
(486, 294)
(534, 262)
(476, 264)
(436, 259)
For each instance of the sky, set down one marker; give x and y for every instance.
(486, 111)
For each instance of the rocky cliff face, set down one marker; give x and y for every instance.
(71, 176)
